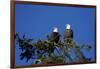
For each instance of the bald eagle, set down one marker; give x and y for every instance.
(68, 35)
(55, 36)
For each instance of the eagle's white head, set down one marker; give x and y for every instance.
(68, 26)
(55, 29)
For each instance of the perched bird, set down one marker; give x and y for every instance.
(55, 36)
(68, 35)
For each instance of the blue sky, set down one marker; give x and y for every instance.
(36, 21)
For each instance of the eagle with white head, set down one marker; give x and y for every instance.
(55, 36)
(68, 34)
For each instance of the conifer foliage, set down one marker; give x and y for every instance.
(49, 52)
